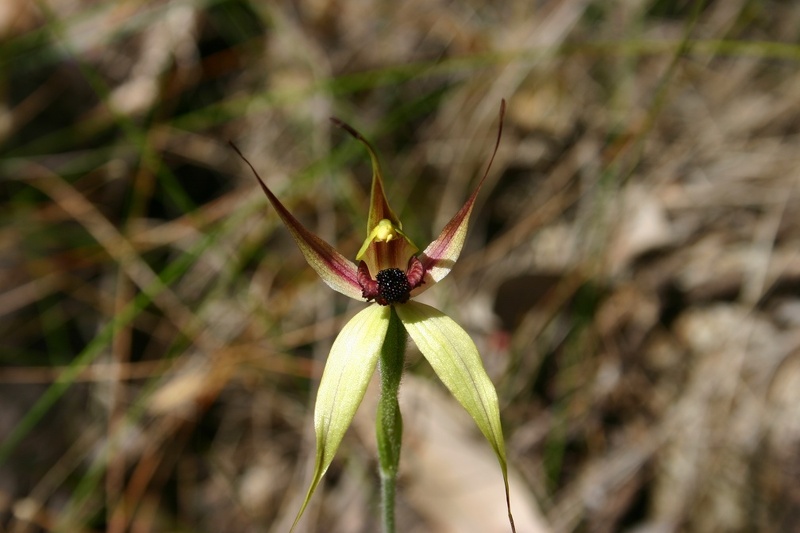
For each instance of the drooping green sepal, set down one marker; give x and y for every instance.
(455, 359)
(350, 366)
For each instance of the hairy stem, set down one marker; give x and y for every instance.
(389, 423)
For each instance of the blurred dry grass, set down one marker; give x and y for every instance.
(631, 275)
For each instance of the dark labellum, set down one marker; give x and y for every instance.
(393, 286)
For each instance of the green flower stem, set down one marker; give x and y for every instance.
(389, 423)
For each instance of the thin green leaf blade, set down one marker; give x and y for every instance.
(347, 373)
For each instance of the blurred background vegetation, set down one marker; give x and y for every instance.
(631, 274)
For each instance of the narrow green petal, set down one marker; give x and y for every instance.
(455, 359)
(348, 370)
(440, 256)
(338, 272)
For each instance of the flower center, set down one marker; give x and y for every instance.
(393, 286)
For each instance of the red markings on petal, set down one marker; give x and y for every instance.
(336, 271)
(440, 255)
(369, 287)
(415, 272)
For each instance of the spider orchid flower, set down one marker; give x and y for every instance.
(389, 271)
